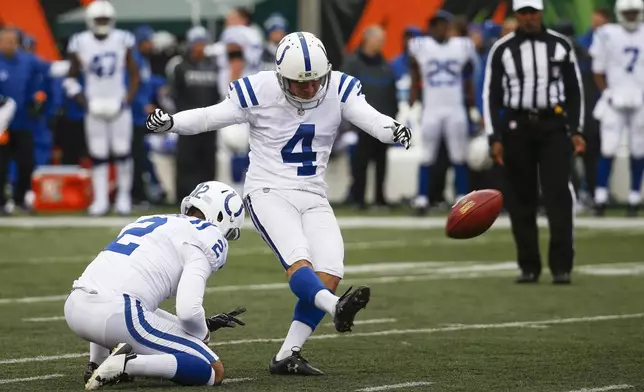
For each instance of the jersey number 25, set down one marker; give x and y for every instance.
(305, 133)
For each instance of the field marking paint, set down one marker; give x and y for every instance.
(367, 322)
(459, 270)
(391, 222)
(45, 377)
(460, 327)
(43, 319)
(602, 389)
(42, 358)
(395, 386)
(236, 380)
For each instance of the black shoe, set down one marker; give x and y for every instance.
(599, 210)
(563, 278)
(348, 306)
(293, 365)
(527, 277)
(91, 366)
(632, 210)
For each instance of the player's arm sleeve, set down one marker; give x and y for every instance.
(493, 93)
(597, 52)
(574, 90)
(358, 112)
(232, 110)
(191, 289)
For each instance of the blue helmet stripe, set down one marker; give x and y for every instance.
(305, 51)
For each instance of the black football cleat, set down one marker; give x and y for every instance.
(348, 306)
(599, 210)
(91, 366)
(293, 365)
(632, 211)
(527, 277)
(563, 278)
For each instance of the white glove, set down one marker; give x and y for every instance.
(402, 134)
(159, 121)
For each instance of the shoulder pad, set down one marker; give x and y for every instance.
(246, 92)
(347, 86)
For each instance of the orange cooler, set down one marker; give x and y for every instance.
(61, 188)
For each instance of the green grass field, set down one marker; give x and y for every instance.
(444, 315)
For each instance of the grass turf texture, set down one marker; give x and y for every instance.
(474, 286)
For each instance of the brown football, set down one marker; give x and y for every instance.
(474, 214)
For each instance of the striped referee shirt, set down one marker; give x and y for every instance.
(532, 72)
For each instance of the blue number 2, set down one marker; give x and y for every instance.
(635, 53)
(305, 133)
(127, 249)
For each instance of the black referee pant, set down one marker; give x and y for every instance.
(369, 149)
(538, 151)
(195, 160)
(20, 148)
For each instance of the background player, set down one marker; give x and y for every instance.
(294, 119)
(104, 54)
(116, 300)
(618, 65)
(440, 62)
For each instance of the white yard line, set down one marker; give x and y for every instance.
(608, 388)
(453, 328)
(345, 222)
(394, 386)
(43, 319)
(368, 322)
(411, 272)
(236, 380)
(45, 377)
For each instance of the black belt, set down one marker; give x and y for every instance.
(536, 114)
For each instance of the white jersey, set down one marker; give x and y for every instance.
(252, 44)
(103, 62)
(619, 54)
(147, 259)
(289, 149)
(441, 68)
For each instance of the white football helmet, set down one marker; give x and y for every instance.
(220, 205)
(100, 9)
(301, 57)
(622, 6)
(478, 154)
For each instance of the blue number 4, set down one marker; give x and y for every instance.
(305, 133)
(635, 53)
(127, 249)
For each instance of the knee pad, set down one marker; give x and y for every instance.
(192, 370)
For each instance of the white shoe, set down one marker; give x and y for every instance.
(112, 369)
(98, 208)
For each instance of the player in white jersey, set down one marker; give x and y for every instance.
(104, 55)
(115, 302)
(440, 62)
(294, 114)
(618, 65)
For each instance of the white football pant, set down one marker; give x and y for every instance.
(298, 225)
(614, 122)
(108, 320)
(448, 123)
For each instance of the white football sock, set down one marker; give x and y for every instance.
(124, 175)
(160, 366)
(98, 353)
(100, 186)
(325, 300)
(296, 337)
(601, 195)
(634, 198)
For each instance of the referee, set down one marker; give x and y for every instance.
(534, 115)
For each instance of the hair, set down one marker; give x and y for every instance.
(194, 211)
(245, 13)
(603, 12)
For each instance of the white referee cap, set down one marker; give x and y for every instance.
(536, 4)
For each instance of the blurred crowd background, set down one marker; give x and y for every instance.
(358, 34)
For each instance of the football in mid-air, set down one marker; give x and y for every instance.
(474, 214)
